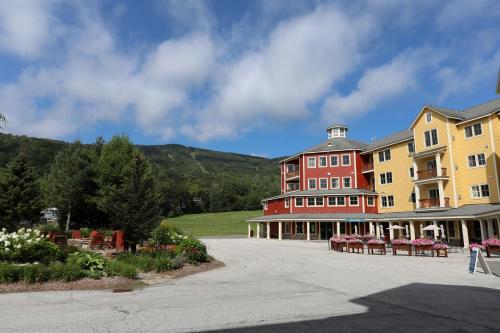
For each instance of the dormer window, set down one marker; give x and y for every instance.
(336, 131)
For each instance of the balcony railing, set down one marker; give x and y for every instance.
(430, 173)
(368, 187)
(292, 187)
(292, 174)
(367, 167)
(433, 203)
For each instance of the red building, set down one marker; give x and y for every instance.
(325, 179)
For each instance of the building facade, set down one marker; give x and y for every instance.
(443, 170)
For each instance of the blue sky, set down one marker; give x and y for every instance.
(254, 77)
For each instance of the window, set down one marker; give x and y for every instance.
(431, 138)
(287, 202)
(287, 228)
(353, 201)
(473, 130)
(411, 147)
(347, 182)
(290, 168)
(265, 205)
(322, 161)
(300, 228)
(299, 202)
(428, 117)
(346, 159)
(476, 160)
(335, 182)
(334, 160)
(386, 178)
(313, 228)
(384, 155)
(336, 201)
(314, 201)
(451, 229)
(412, 173)
(312, 183)
(413, 197)
(480, 191)
(387, 201)
(370, 201)
(323, 183)
(311, 162)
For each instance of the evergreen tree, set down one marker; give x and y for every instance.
(3, 121)
(20, 199)
(134, 206)
(69, 185)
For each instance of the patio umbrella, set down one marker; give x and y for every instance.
(356, 229)
(406, 232)
(395, 227)
(381, 231)
(443, 236)
(421, 231)
(431, 227)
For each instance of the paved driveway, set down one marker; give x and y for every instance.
(287, 286)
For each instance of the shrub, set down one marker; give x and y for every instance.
(85, 232)
(178, 262)
(193, 249)
(48, 227)
(71, 271)
(163, 264)
(87, 261)
(144, 263)
(43, 251)
(120, 268)
(166, 233)
(10, 273)
(35, 273)
(26, 245)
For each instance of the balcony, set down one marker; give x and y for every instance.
(292, 187)
(433, 203)
(368, 187)
(430, 173)
(292, 174)
(367, 167)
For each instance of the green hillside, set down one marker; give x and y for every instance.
(214, 224)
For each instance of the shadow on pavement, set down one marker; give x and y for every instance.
(412, 308)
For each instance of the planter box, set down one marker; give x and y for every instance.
(356, 246)
(490, 249)
(336, 246)
(423, 248)
(378, 247)
(441, 252)
(401, 247)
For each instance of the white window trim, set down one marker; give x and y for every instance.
(334, 165)
(336, 204)
(315, 162)
(338, 183)
(353, 196)
(386, 182)
(387, 199)
(474, 135)
(367, 201)
(480, 191)
(342, 159)
(326, 164)
(319, 184)
(477, 161)
(266, 206)
(408, 147)
(428, 114)
(308, 184)
(315, 205)
(287, 202)
(383, 152)
(350, 182)
(295, 199)
(430, 132)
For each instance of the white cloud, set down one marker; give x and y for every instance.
(303, 57)
(26, 26)
(380, 84)
(460, 12)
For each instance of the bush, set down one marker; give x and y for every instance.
(35, 273)
(10, 273)
(166, 233)
(43, 251)
(144, 263)
(178, 262)
(85, 232)
(120, 268)
(48, 227)
(193, 249)
(71, 271)
(87, 261)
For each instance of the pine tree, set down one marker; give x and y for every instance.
(3, 121)
(69, 186)
(20, 199)
(134, 206)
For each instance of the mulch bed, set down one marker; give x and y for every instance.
(117, 284)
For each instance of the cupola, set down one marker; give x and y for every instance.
(336, 131)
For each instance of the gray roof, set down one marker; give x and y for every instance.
(342, 191)
(393, 138)
(466, 211)
(336, 125)
(336, 144)
(472, 112)
(448, 112)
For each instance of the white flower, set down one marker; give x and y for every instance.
(29, 230)
(7, 249)
(7, 243)
(38, 239)
(28, 241)
(18, 246)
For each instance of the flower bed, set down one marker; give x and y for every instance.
(491, 245)
(441, 249)
(338, 244)
(367, 237)
(355, 244)
(376, 244)
(401, 245)
(422, 245)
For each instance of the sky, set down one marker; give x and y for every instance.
(255, 77)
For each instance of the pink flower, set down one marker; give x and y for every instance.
(376, 241)
(440, 246)
(474, 245)
(354, 240)
(422, 241)
(491, 242)
(400, 242)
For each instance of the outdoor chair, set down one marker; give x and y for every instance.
(76, 234)
(97, 240)
(60, 239)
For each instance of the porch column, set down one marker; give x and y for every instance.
(333, 230)
(415, 169)
(338, 229)
(441, 192)
(412, 230)
(280, 230)
(308, 231)
(417, 196)
(378, 229)
(491, 233)
(438, 165)
(391, 231)
(249, 230)
(258, 230)
(483, 229)
(268, 233)
(498, 227)
(371, 228)
(436, 231)
(465, 234)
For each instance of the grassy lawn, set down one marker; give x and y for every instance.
(214, 224)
